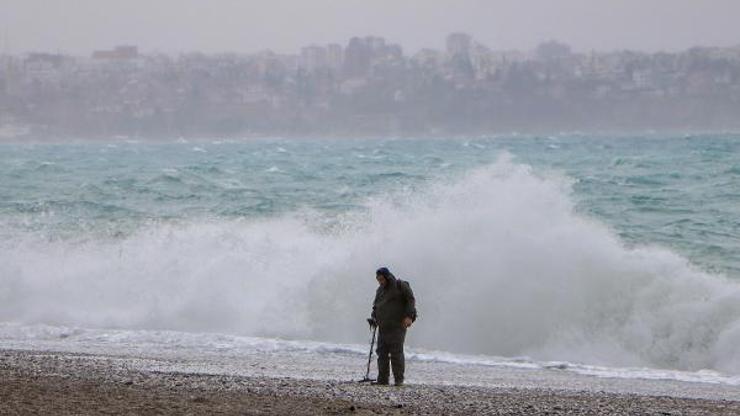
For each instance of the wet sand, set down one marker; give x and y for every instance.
(33, 382)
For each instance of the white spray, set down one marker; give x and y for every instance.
(500, 262)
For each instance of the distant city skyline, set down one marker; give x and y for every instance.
(79, 27)
(368, 86)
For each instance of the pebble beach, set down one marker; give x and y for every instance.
(63, 383)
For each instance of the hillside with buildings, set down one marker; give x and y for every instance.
(366, 87)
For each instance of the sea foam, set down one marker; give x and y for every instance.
(500, 260)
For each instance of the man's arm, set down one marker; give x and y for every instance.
(372, 320)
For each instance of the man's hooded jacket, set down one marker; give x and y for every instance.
(393, 302)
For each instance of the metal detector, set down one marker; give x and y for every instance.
(367, 378)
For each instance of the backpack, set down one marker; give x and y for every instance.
(405, 288)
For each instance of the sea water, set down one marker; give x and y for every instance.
(609, 255)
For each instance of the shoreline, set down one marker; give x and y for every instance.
(64, 383)
(647, 133)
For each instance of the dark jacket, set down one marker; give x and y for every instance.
(393, 302)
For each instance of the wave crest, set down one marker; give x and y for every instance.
(501, 262)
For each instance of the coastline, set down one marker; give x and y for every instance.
(42, 382)
(249, 137)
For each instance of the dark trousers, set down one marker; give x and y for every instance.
(390, 343)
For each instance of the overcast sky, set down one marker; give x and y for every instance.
(80, 26)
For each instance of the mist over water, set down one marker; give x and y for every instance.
(503, 257)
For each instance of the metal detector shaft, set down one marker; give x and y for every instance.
(370, 355)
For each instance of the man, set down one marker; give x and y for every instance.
(394, 310)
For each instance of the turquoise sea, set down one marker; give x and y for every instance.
(616, 250)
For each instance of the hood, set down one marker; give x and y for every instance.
(383, 271)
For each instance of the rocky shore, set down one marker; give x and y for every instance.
(34, 382)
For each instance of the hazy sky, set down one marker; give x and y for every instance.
(80, 26)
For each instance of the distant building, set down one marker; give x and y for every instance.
(643, 78)
(459, 44)
(458, 50)
(313, 58)
(553, 51)
(45, 66)
(394, 51)
(334, 56)
(357, 58)
(123, 52)
(483, 62)
(376, 44)
(428, 58)
(45, 59)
